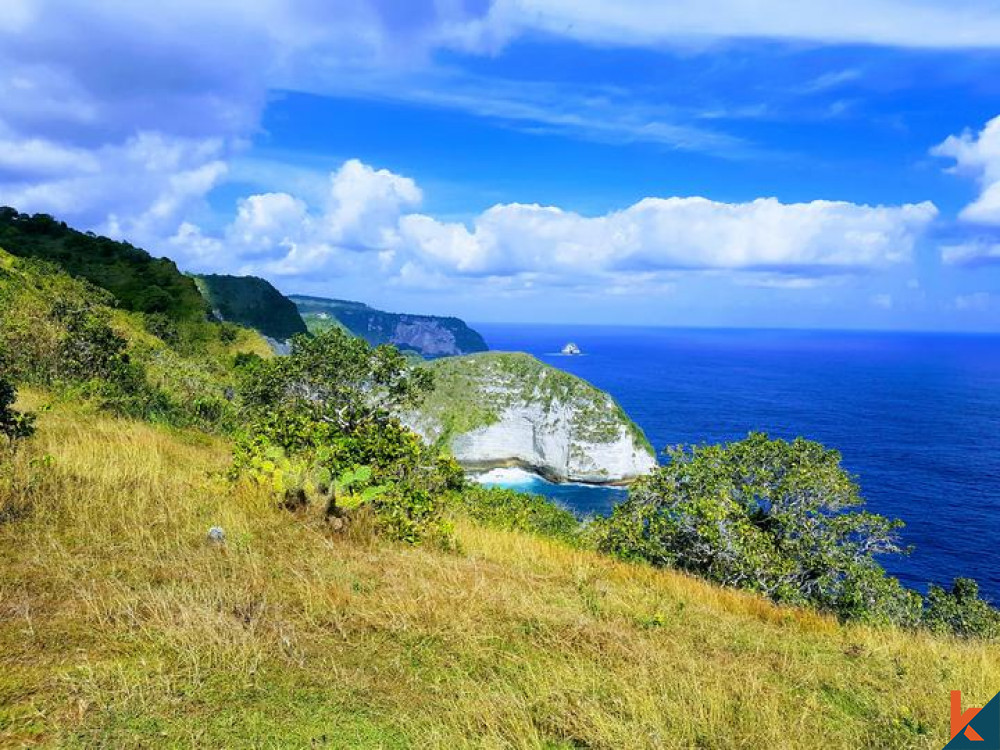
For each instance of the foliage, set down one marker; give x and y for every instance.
(518, 511)
(252, 302)
(770, 516)
(323, 423)
(14, 425)
(139, 282)
(65, 334)
(960, 611)
(336, 379)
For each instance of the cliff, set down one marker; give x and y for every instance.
(254, 303)
(428, 335)
(508, 409)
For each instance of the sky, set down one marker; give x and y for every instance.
(692, 163)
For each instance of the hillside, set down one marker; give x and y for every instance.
(252, 302)
(428, 335)
(121, 627)
(139, 282)
(63, 332)
(509, 409)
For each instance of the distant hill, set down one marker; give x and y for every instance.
(428, 335)
(252, 302)
(138, 281)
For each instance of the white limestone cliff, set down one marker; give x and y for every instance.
(501, 409)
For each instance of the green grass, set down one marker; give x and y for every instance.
(121, 627)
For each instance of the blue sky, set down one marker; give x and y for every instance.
(532, 160)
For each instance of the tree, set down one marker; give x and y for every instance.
(780, 518)
(325, 421)
(336, 379)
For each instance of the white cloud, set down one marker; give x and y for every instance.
(139, 189)
(902, 23)
(975, 302)
(365, 205)
(672, 233)
(978, 155)
(883, 301)
(366, 222)
(974, 253)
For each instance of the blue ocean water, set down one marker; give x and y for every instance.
(916, 417)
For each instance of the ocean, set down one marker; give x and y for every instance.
(916, 417)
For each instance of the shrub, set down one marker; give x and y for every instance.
(323, 422)
(14, 425)
(771, 516)
(960, 611)
(517, 511)
(162, 327)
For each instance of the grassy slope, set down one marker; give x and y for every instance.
(201, 367)
(120, 627)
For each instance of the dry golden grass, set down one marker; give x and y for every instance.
(120, 626)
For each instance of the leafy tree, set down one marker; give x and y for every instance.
(337, 379)
(780, 518)
(325, 421)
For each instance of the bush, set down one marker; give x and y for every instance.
(517, 511)
(961, 611)
(322, 423)
(766, 515)
(14, 425)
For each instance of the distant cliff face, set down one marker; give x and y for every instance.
(254, 303)
(504, 409)
(428, 335)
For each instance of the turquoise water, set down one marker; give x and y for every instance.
(916, 416)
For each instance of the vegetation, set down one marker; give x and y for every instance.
(325, 418)
(518, 511)
(138, 281)
(781, 519)
(252, 302)
(14, 425)
(121, 627)
(378, 327)
(66, 334)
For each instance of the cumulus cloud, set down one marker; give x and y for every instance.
(370, 214)
(978, 155)
(673, 233)
(974, 253)
(138, 189)
(281, 234)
